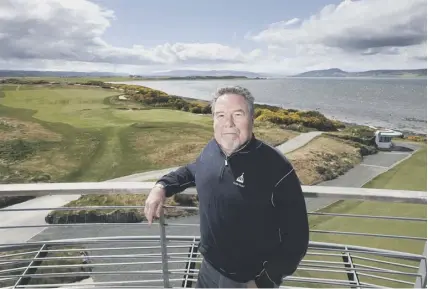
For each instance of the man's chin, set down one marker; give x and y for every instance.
(230, 147)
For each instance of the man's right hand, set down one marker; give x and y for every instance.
(154, 203)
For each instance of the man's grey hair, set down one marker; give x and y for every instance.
(235, 90)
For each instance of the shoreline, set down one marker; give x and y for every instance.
(332, 117)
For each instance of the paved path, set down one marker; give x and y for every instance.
(368, 169)
(298, 141)
(38, 217)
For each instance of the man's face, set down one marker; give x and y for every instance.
(233, 124)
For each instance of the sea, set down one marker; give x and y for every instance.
(394, 103)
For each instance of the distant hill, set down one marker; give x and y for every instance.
(201, 73)
(41, 73)
(173, 74)
(336, 72)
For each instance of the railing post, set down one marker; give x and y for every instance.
(32, 266)
(190, 265)
(352, 274)
(164, 250)
(421, 280)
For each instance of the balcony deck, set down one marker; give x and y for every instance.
(135, 255)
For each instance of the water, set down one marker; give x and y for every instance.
(393, 103)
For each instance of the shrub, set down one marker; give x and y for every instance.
(417, 138)
(17, 149)
(310, 119)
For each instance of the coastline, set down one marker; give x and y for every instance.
(330, 116)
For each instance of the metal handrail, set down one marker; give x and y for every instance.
(25, 264)
(97, 188)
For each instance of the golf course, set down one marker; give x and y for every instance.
(74, 132)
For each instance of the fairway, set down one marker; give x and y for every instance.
(85, 108)
(408, 175)
(411, 174)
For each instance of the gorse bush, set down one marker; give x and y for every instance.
(311, 119)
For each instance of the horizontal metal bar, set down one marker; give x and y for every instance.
(369, 217)
(385, 271)
(405, 256)
(125, 256)
(189, 240)
(362, 249)
(383, 262)
(309, 253)
(318, 281)
(41, 189)
(90, 208)
(81, 273)
(90, 249)
(385, 278)
(97, 283)
(361, 269)
(71, 225)
(369, 235)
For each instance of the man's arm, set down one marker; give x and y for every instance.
(178, 180)
(291, 207)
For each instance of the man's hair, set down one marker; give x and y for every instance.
(245, 93)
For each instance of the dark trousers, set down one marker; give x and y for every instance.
(209, 277)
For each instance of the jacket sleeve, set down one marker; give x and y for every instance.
(290, 204)
(179, 180)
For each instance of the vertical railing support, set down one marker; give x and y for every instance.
(421, 280)
(32, 266)
(164, 252)
(352, 273)
(190, 265)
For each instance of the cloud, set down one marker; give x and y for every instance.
(354, 35)
(73, 31)
(352, 29)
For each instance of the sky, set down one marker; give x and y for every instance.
(269, 36)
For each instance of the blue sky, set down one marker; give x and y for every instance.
(270, 36)
(220, 21)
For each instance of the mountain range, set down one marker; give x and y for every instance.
(336, 72)
(201, 74)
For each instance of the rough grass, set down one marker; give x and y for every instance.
(323, 159)
(408, 175)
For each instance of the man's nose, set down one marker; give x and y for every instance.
(228, 122)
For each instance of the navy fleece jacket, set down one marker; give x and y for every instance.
(253, 217)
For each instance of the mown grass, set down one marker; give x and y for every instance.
(411, 174)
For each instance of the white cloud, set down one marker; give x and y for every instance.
(354, 35)
(358, 34)
(73, 31)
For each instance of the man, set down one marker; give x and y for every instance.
(253, 218)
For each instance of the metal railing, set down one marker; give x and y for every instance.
(165, 254)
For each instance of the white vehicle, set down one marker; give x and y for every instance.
(383, 138)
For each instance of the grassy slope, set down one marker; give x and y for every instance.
(408, 175)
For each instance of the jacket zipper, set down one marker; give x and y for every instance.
(226, 163)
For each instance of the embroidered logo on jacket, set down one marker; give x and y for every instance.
(240, 181)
